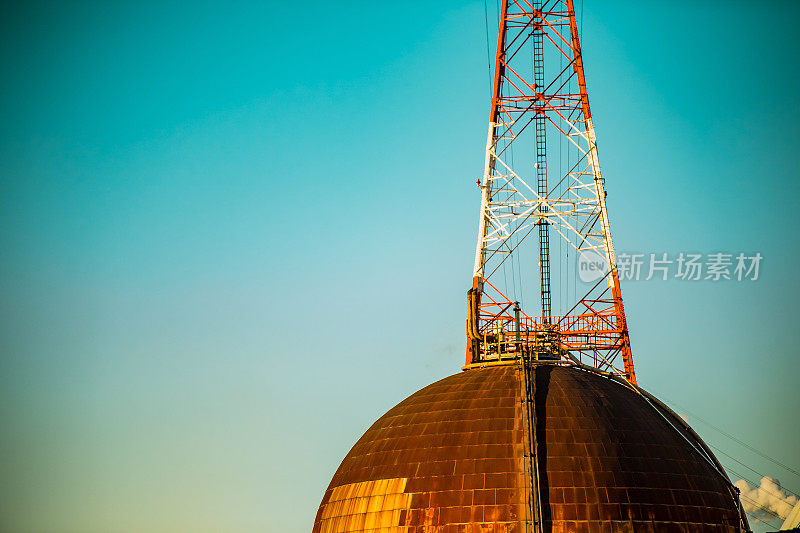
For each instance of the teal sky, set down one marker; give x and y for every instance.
(232, 235)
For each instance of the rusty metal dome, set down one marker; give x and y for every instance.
(453, 457)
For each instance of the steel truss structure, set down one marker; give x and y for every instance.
(539, 95)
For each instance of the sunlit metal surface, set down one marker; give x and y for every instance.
(609, 460)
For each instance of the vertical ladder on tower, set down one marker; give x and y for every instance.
(541, 164)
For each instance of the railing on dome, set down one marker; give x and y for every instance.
(591, 334)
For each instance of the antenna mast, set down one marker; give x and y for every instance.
(534, 107)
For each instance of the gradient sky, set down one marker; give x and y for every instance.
(232, 235)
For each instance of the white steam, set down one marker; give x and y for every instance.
(768, 498)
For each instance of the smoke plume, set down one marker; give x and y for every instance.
(768, 498)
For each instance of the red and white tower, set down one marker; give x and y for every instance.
(543, 202)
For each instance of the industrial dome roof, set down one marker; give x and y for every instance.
(452, 457)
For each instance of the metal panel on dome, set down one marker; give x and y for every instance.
(458, 443)
(452, 456)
